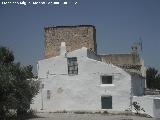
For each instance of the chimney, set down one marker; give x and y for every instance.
(63, 49)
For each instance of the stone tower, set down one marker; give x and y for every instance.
(75, 37)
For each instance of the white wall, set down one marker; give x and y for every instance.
(138, 85)
(150, 104)
(82, 91)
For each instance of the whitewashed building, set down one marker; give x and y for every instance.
(80, 81)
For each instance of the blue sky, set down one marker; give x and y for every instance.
(119, 23)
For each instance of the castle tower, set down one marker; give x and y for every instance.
(75, 37)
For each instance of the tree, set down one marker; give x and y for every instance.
(6, 56)
(17, 86)
(153, 78)
(137, 107)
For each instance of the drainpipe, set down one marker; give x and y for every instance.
(40, 87)
(41, 98)
(131, 96)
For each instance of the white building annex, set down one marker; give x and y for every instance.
(80, 81)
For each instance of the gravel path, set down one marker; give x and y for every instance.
(71, 116)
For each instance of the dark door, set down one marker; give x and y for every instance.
(106, 102)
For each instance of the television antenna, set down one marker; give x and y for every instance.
(137, 46)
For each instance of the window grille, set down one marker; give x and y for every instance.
(72, 66)
(106, 79)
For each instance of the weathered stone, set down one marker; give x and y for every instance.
(121, 58)
(75, 37)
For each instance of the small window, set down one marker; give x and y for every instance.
(106, 79)
(72, 66)
(42, 86)
(106, 102)
(48, 94)
(157, 103)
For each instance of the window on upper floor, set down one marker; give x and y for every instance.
(72, 66)
(107, 79)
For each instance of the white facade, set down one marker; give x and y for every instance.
(150, 103)
(84, 91)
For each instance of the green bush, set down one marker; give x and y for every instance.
(17, 86)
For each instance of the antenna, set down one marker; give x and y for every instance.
(140, 43)
(137, 46)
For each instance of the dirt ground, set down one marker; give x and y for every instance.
(72, 116)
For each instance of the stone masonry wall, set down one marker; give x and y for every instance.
(121, 59)
(75, 37)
